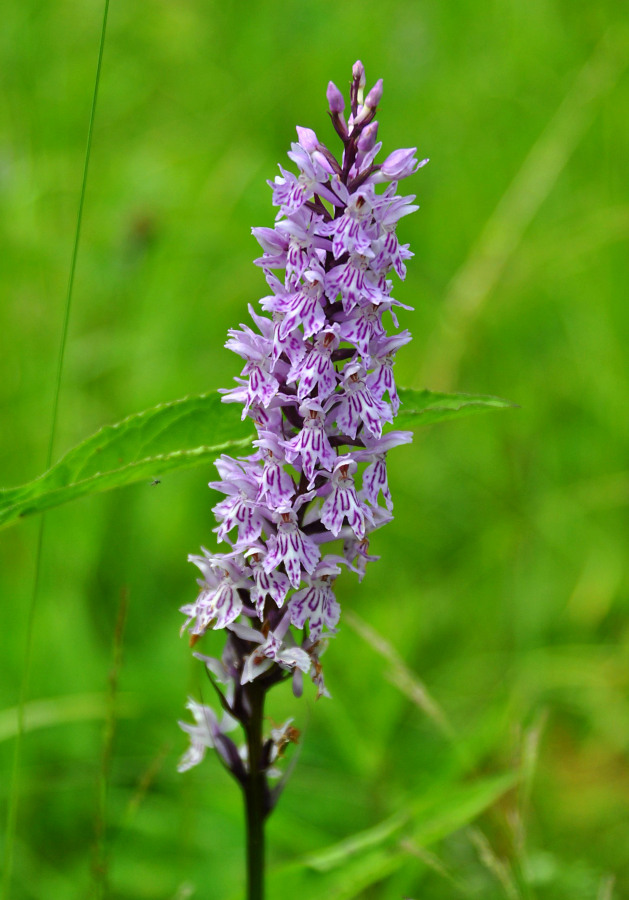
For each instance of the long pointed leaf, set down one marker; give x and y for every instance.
(427, 407)
(184, 433)
(174, 435)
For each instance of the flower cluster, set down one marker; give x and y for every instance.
(318, 383)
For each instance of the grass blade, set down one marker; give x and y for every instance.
(12, 809)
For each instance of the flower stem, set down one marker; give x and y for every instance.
(255, 791)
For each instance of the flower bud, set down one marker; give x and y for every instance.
(374, 96)
(358, 72)
(401, 164)
(367, 139)
(335, 99)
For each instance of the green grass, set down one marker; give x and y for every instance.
(503, 586)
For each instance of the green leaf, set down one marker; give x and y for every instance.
(427, 407)
(184, 433)
(175, 435)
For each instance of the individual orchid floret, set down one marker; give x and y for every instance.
(316, 603)
(290, 193)
(393, 207)
(277, 487)
(342, 503)
(359, 405)
(380, 380)
(311, 445)
(219, 601)
(274, 243)
(349, 279)
(239, 509)
(278, 647)
(375, 479)
(291, 547)
(273, 584)
(303, 306)
(356, 553)
(263, 384)
(362, 326)
(354, 231)
(400, 164)
(207, 733)
(316, 370)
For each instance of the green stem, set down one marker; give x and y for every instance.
(254, 791)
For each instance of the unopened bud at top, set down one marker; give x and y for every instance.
(374, 96)
(335, 98)
(358, 72)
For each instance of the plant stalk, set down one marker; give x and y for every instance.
(255, 791)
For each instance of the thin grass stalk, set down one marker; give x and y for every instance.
(14, 788)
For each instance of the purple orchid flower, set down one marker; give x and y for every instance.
(318, 383)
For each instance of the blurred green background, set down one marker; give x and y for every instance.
(503, 583)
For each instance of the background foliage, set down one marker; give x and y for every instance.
(503, 583)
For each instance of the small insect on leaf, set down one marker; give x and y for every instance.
(156, 481)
